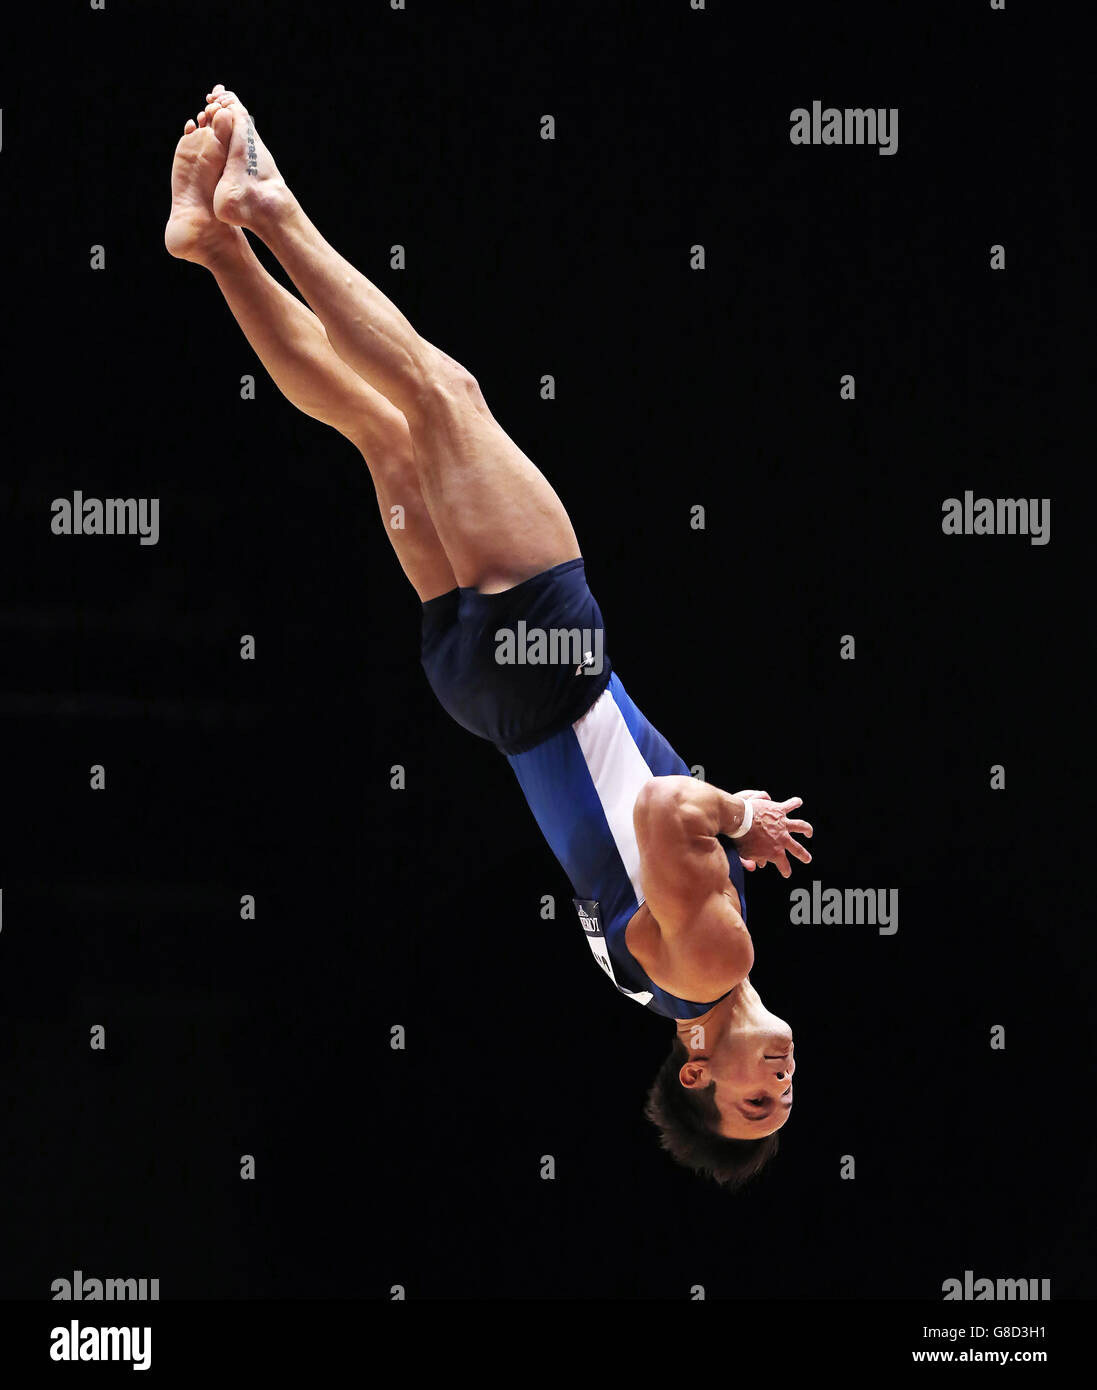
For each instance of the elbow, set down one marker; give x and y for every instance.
(662, 802)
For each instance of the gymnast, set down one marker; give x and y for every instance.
(513, 646)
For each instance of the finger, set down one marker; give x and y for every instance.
(797, 849)
(784, 867)
(802, 827)
(791, 804)
(747, 863)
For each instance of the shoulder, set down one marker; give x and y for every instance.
(704, 957)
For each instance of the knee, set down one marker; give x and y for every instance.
(382, 436)
(445, 384)
(390, 457)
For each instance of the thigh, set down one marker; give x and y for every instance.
(404, 513)
(496, 514)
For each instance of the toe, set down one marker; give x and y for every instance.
(202, 118)
(222, 126)
(189, 128)
(218, 87)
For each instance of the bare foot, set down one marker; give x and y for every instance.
(251, 189)
(193, 233)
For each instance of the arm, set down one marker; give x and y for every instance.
(677, 820)
(693, 942)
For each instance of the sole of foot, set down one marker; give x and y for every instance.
(193, 231)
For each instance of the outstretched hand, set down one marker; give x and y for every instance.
(769, 839)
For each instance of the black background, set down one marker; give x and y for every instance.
(420, 907)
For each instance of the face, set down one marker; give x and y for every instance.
(749, 1053)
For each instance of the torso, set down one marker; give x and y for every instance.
(643, 938)
(581, 785)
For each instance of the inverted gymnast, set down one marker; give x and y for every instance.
(513, 647)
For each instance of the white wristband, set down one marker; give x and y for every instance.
(748, 821)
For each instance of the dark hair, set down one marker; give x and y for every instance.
(688, 1121)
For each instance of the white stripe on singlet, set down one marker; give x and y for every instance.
(618, 771)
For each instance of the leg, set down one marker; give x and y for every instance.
(292, 345)
(497, 516)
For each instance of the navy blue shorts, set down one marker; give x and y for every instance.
(517, 667)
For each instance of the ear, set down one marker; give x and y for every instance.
(693, 1073)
